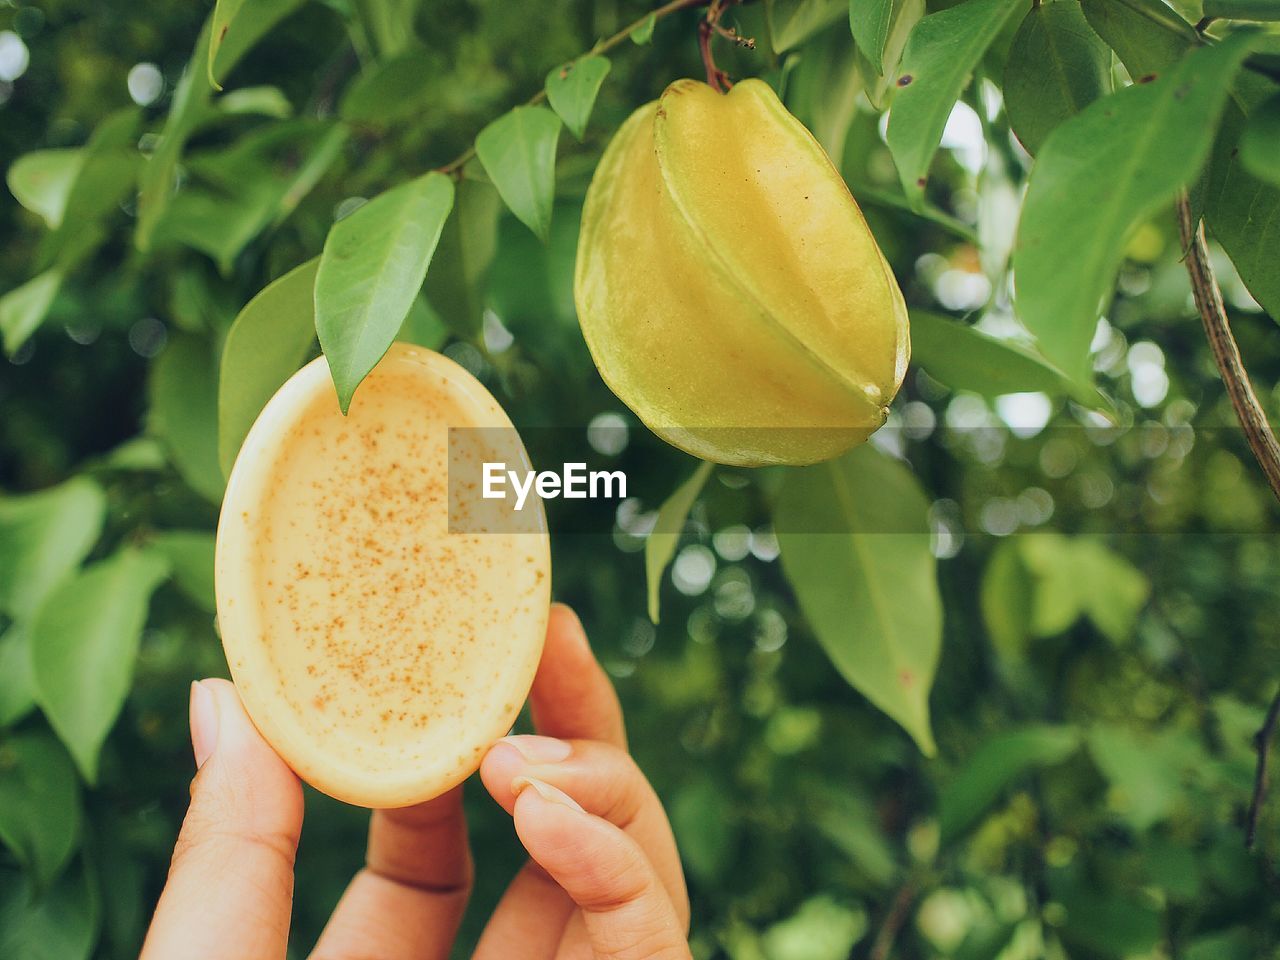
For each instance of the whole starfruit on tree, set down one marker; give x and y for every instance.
(728, 286)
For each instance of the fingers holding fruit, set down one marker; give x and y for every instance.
(602, 779)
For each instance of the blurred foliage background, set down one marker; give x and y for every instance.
(1110, 634)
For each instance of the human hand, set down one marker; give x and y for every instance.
(602, 882)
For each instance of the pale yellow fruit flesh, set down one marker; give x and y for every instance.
(729, 333)
(379, 653)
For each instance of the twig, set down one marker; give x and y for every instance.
(899, 910)
(1262, 743)
(601, 46)
(1226, 354)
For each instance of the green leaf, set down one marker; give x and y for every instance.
(423, 326)
(266, 344)
(84, 641)
(391, 90)
(964, 358)
(872, 22)
(1260, 142)
(1007, 600)
(61, 924)
(1056, 67)
(242, 190)
(24, 308)
(518, 152)
(660, 545)
(1144, 772)
(804, 18)
(994, 767)
(1148, 36)
(42, 181)
(1075, 576)
(572, 90)
(159, 174)
(1099, 176)
(43, 537)
(869, 591)
(821, 929)
(388, 22)
(1263, 10)
(190, 556)
(1243, 213)
(372, 268)
(39, 803)
(17, 686)
(467, 246)
(824, 87)
(700, 819)
(236, 26)
(878, 75)
(184, 411)
(940, 56)
(644, 33)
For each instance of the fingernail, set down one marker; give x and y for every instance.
(546, 791)
(539, 749)
(204, 722)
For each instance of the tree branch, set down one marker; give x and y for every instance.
(1257, 430)
(899, 910)
(1262, 743)
(1226, 354)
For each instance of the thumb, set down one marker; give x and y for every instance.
(625, 908)
(230, 886)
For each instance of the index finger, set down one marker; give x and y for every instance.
(572, 697)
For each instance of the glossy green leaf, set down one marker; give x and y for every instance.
(265, 101)
(1264, 10)
(873, 22)
(941, 54)
(854, 542)
(423, 326)
(190, 556)
(1056, 67)
(791, 24)
(1148, 36)
(643, 34)
(236, 26)
(879, 78)
(84, 641)
(372, 268)
(572, 90)
(467, 247)
(264, 347)
(42, 181)
(963, 358)
(43, 537)
(1260, 142)
(660, 545)
(39, 803)
(1243, 214)
(184, 411)
(1098, 177)
(59, 924)
(518, 152)
(994, 767)
(24, 308)
(17, 686)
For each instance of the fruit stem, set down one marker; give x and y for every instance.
(717, 79)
